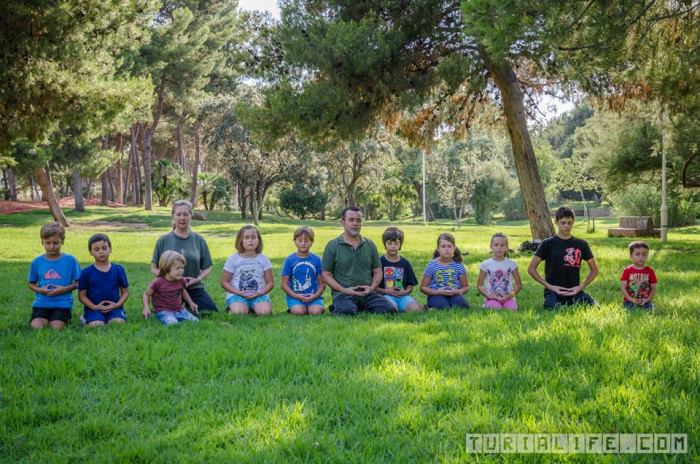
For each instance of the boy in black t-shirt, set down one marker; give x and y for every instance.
(398, 278)
(562, 254)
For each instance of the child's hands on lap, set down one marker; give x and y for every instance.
(54, 290)
(105, 306)
(397, 292)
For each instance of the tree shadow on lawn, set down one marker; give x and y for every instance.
(565, 373)
(383, 388)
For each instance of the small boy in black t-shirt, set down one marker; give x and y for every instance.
(398, 277)
(562, 254)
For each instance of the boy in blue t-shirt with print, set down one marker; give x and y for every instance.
(398, 278)
(301, 276)
(52, 277)
(103, 287)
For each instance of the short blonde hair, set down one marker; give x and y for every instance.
(52, 229)
(167, 260)
(304, 230)
(177, 204)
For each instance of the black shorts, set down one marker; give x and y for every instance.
(52, 314)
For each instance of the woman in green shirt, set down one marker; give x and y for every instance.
(194, 248)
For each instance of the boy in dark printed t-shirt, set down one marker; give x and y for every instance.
(398, 278)
(563, 254)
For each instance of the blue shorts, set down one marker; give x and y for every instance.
(294, 302)
(246, 301)
(173, 317)
(649, 306)
(93, 316)
(400, 302)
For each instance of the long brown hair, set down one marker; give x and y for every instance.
(239, 239)
(448, 238)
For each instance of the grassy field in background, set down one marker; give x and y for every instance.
(364, 389)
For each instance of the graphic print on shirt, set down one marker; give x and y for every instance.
(303, 275)
(572, 258)
(499, 280)
(393, 277)
(51, 274)
(638, 286)
(247, 282)
(443, 278)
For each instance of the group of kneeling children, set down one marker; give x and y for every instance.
(103, 286)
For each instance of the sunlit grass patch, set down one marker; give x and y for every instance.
(365, 389)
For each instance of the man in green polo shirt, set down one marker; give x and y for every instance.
(352, 269)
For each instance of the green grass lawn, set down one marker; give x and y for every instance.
(364, 389)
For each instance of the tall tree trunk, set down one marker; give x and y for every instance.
(254, 204)
(195, 165)
(350, 195)
(147, 152)
(130, 165)
(261, 191)
(44, 182)
(32, 188)
(149, 131)
(77, 186)
(138, 198)
(6, 195)
(112, 185)
(11, 184)
(104, 178)
(181, 142)
(531, 187)
(119, 190)
(106, 188)
(242, 201)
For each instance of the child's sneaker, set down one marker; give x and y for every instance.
(82, 320)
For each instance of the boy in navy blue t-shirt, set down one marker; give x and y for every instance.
(103, 287)
(52, 277)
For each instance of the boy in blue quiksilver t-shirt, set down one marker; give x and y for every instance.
(103, 287)
(301, 276)
(52, 277)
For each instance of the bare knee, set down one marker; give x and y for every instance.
(298, 310)
(57, 325)
(315, 310)
(39, 323)
(96, 324)
(414, 306)
(263, 309)
(238, 308)
(116, 320)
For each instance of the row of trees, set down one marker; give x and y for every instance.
(97, 79)
(336, 102)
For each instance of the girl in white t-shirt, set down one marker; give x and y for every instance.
(247, 276)
(499, 279)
